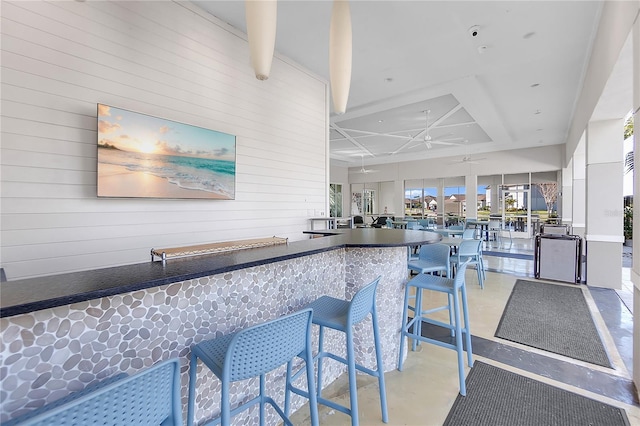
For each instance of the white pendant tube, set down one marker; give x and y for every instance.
(340, 53)
(261, 17)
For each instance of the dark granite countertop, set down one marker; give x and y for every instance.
(33, 294)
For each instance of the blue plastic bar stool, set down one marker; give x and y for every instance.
(432, 258)
(151, 397)
(342, 315)
(445, 285)
(470, 250)
(253, 352)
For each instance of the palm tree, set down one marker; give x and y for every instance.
(628, 132)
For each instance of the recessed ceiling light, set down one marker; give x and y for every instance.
(538, 112)
(538, 130)
(380, 121)
(388, 79)
(535, 85)
(529, 35)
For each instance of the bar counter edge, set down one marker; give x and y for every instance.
(130, 317)
(33, 294)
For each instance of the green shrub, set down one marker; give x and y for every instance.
(628, 222)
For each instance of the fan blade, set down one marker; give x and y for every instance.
(451, 142)
(365, 171)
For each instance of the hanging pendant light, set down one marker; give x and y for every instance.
(340, 45)
(261, 17)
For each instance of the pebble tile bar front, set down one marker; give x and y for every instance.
(49, 352)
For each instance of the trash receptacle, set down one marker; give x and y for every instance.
(550, 228)
(558, 257)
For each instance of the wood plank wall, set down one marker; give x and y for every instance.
(167, 59)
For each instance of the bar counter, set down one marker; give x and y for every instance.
(61, 333)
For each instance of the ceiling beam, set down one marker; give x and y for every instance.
(434, 124)
(350, 139)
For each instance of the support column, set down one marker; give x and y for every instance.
(495, 194)
(471, 184)
(635, 271)
(398, 202)
(578, 193)
(604, 203)
(565, 204)
(440, 199)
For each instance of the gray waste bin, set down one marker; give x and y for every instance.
(548, 228)
(558, 257)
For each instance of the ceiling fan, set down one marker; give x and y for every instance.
(427, 140)
(467, 158)
(362, 169)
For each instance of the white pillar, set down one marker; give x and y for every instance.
(440, 200)
(398, 202)
(566, 195)
(496, 181)
(604, 202)
(635, 271)
(578, 195)
(471, 184)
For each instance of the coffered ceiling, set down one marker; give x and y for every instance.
(512, 85)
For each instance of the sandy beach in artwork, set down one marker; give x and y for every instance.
(117, 181)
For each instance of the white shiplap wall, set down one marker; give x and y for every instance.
(167, 59)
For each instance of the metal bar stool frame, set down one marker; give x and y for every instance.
(252, 352)
(342, 315)
(445, 285)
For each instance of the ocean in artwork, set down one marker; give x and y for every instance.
(144, 156)
(191, 173)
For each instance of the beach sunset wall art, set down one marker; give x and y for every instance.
(140, 156)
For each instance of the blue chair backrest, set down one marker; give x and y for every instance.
(456, 227)
(389, 223)
(470, 248)
(469, 234)
(459, 280)
(151, 397)
(439, 253)
(363, 302)
(263, 347)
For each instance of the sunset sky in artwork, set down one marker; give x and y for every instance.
(135, 132)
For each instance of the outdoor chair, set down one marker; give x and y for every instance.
(413, 329)
(379, 222)
(150, 397)
(432, 258)
(413, 224)
(252, 352)
(469, 251)
(342, 315)
(469, 234)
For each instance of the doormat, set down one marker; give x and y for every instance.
(554, 318)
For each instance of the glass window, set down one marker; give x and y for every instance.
(420, 201)
(369, 201)
(335, 200)
(455, 203)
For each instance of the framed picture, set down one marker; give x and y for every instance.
(141, 156)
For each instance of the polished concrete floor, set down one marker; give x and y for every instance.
(423, 393)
